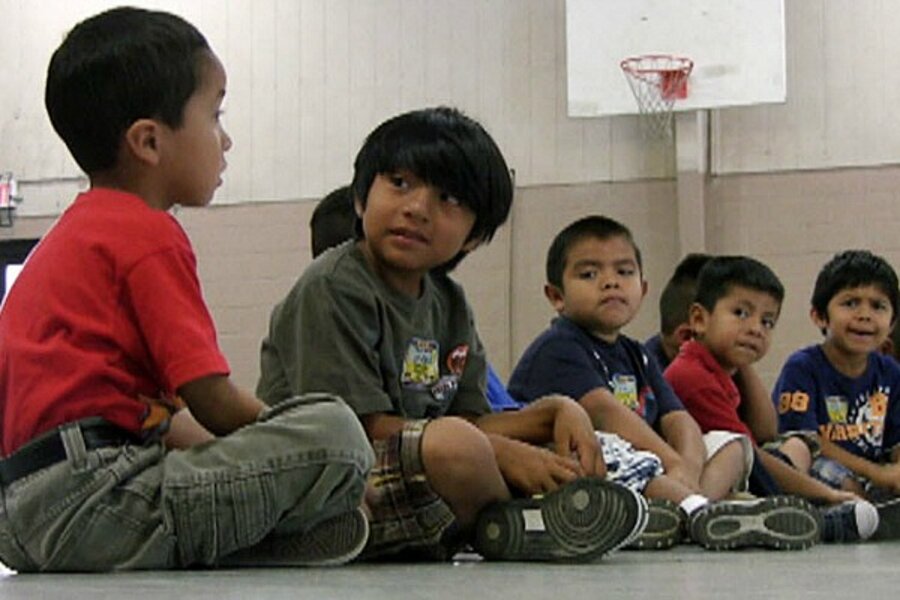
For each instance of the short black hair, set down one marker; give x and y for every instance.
(117, 67)
(722, 273)
(851, 269)
(595, 226)
(332, 220)
(678, 295)
(446, 149)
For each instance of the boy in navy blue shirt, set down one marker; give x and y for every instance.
(595, 283)
(846, 391)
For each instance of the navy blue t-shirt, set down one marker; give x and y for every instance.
(566, 359)
(862, 414)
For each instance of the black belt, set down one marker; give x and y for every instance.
(48, 449)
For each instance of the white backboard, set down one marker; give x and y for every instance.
(737, 47)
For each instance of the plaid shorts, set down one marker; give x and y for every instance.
(409, 520)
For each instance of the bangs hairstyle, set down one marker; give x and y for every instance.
(117, 67)
(595, 227)
(445, 149)
(722, 273)
(851, 269)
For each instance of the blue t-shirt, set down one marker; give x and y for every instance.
(566, 359)
(861, 415)
(497, 396)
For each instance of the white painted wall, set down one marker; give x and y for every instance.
(309, 78)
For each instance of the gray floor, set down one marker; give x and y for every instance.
(852, 572)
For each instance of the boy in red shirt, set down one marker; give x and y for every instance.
(107, 314)
(736, 308)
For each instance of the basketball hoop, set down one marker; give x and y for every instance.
(656, 81)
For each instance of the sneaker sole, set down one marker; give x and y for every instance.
(332, 542)
(579, 522)
(778, 522)
(665, 527)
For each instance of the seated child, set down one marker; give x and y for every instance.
(379, 322)
(595, 283)
(333, 222)
(737, 306)
(674, 304)
(843, 389)
(107, 314)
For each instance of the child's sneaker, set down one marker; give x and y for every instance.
(665, 526)
(580, 521)
(335, 541)
(780, 522)
(888, 520)
(849, 522)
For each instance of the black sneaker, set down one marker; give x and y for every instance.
(580, 521)
(335, 541)
(779, 522)
(849, 522)
(888, 520)
(665, 526)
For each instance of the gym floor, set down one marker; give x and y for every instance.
(859, 571)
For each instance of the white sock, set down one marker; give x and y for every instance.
(692, 503)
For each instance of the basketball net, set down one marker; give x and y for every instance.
(657, 80)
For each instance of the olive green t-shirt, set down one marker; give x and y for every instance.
(342, 330)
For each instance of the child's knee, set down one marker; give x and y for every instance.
(454, 447)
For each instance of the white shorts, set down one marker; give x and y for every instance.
(716, 440)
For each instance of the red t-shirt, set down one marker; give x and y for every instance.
(108, 308)
(706, 389)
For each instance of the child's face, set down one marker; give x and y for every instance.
(193, 156)
(858, 320)
(738, 331)
(411, 227)
(602, 286)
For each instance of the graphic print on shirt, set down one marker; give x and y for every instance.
(624, 388)
(860, 422)
(421, 368)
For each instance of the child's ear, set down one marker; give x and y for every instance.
(644, 287)
(818, 320)
(556, 297)
(142, 140)
(357, 206)
(698, 318)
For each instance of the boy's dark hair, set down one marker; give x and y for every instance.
(448, 150)
(332, 220)
(595, 226)
(117, 67)
(678, 295)
(850, 269)
(722, 273)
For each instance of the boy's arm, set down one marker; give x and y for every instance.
(555, 419)
(218, 405)
(681, 432)
(608, 414)
(756, 408)
(882, 475)
(794, 482)
(531, 469)
(380, 426)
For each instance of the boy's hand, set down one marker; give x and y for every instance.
(534, 470)
(573, 435)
